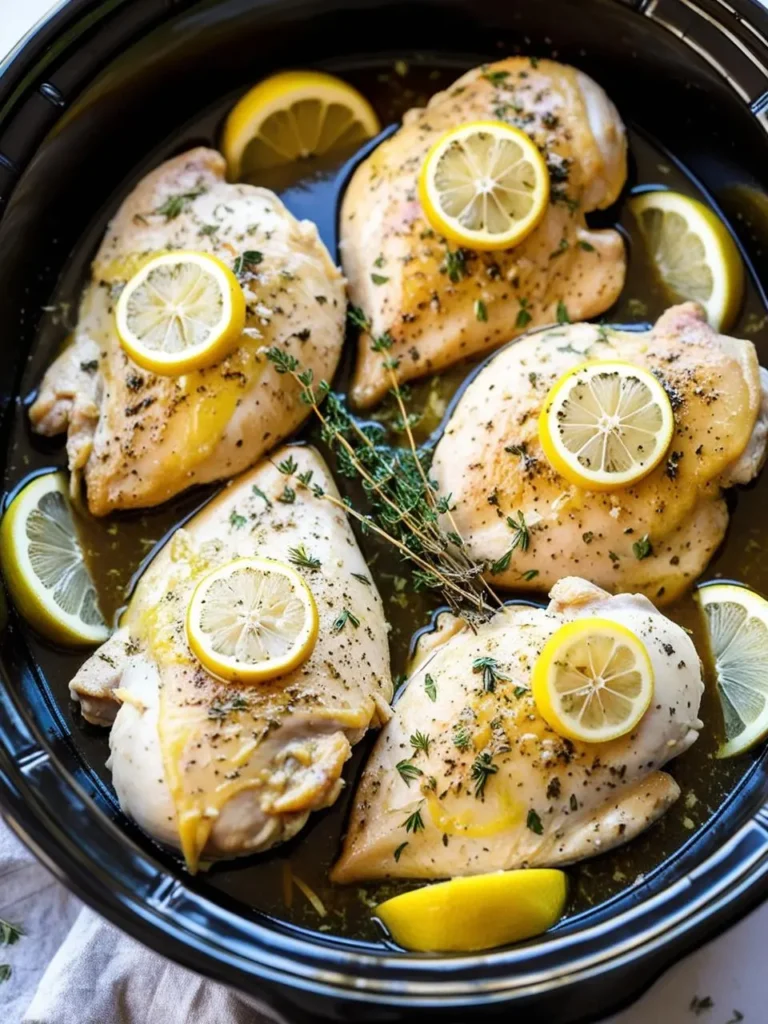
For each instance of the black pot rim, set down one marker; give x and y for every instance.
(720, 874)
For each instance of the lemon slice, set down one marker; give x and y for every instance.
(693, 252)
(593, 681)
(606, 425)
(737, 626)
(251, 620)
(293, 115)
(43, 564)
(478, 912)
(181, 311)
(484, 185)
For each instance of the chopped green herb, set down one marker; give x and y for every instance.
(521, 534)
(490, 670)
(176, 204)
(531, 574)
(408, 771)
(399, 850)
(533, 822)
(461, 737)
(260, 494)
(430, 687)
(519, 691)
(588, 537)
(501, 564)
(5, 972)
(481, 310)
(288, 466)
(482, 769)
(643, 547)
(361, 579)
(420, 741)
(218, 712)
(414, 822)
(250, 258)
(454, 265)
(586, 246)
(236, 520)
(562, 313)
(495, 77)
(299, 556)
(9, 933)
(345, 617)
(288, 496)
(357, 318)
(379, 279)
(523, 317)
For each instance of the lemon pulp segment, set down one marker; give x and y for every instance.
(251, 620)
(181, 311)
(593, 681)
(477, 912)
(484, 185)
(606, 425)
(43, 564)
(693, 253)
(737, 627)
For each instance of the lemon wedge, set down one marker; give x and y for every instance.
(484, 185)
(693, 252)
(294, 115)
(478, 912)
(251, 620)
(43, 565)
(181, 311)
(737, 627)
(593, 681)
(606, 425)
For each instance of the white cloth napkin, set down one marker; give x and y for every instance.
(71, 967)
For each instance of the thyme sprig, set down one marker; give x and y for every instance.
(405, 506)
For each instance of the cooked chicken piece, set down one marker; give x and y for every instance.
(546, 800)
(139, 439)
(428, 301)
(223, 769)
(490, 460)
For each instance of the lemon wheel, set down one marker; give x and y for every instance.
(294, 115)
(479, 912)
(593, 681)
(606, 425)
(484, 185)
(43, 565)
(251, 620)
(737, 627)
(693, 253)
(181, 311)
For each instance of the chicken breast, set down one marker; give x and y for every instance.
(547, 800)
(423, 291)
(220, 769)
(654, 537)
(138, 439)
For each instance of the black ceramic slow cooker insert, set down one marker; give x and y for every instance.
(88, 101)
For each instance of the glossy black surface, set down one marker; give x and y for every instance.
(85, 104)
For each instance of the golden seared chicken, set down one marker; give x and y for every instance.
(423, 291)
(655, 536)
(221, 769)
(138, 439)
(466, 778)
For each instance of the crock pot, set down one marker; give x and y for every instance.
(84, 99)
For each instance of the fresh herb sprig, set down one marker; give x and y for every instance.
(405, 505)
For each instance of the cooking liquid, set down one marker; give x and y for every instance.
(117, 547)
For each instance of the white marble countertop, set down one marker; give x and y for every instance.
(730, 971)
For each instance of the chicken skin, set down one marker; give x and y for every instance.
(423, 291)
(138, 439)
(545, 800)
(220, 769)
(654, 537)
